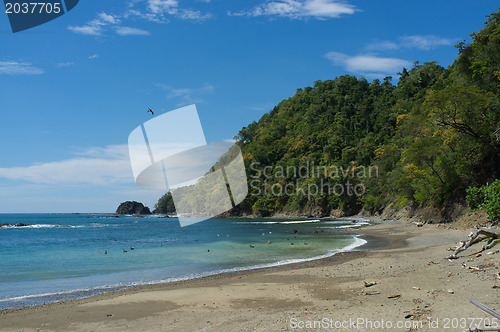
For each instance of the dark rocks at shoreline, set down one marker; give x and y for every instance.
(132, 207)
(15, 225)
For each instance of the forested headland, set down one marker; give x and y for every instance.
(424, 139)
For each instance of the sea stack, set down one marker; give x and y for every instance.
(132, 207)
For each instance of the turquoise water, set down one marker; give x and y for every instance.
(65, 256)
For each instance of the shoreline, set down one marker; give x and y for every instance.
(376, 242)
(407, 258)
(78, 294)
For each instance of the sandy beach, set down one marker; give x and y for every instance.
(415, 289)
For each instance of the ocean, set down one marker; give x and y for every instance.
(68, 256)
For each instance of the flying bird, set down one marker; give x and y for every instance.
(150, 110)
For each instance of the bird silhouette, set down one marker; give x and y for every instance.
(150, 110)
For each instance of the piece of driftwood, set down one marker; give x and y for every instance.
(484, 307)
(372, 293)
(476, 237)
(394, 296)
(488, 310)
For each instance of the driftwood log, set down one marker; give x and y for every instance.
(483, 328)
(488, 310)
(479, 235)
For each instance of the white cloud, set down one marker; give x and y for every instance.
(96, 26)
(163, 6)
(282, 8)
(109, 152)
(193, 15)
(296, 9)
(93, 56)
(65, 64)
(96, 179)
(151, 17)
(106, 18)
(336, 57)
(129, 31)
(86, 30)
(156, 11)
(19, 68)
(419, 42)
(383, 45)
(188, 95)
(425, 43)
(327, 8)
(95, 166)
(19, 197)
(367, 64)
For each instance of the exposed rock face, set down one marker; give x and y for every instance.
(132, 208)
(424, 214)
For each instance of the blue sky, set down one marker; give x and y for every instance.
(73, 89)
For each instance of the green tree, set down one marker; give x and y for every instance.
(486, 198)
(165, 204)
